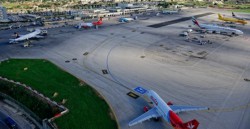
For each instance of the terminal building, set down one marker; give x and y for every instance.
(116, 1)
(3, 13)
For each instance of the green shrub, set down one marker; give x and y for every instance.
(28, 99)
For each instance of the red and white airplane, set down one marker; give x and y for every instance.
(167, 111)
(212, 28)
(89, 25)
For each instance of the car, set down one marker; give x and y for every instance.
(184, 34)
(44, 32)
(10, 123)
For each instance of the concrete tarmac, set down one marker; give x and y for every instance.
(158, 59)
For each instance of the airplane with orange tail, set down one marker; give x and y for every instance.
(167, 111)
(233, 20)
(88, 25)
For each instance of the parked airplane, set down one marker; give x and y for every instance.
(88, 25)
(165, 110)
(124, 19)
(212, 28)
(233, 20)
(36, 34)
(170, 11)
(240, 18)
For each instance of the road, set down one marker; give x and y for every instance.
(2, 123)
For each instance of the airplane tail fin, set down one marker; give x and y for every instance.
(193, 124)
(12, 40)
(233, 14)
(99, 22)
(195, 22)
(219, 16)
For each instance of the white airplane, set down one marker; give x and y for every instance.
(167, 111)
(126, 19)
(35, 34)
(240, 18)
(170, 11)
(212, 28)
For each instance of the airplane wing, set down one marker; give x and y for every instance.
(130, 19)
(89, 24)
(180, 108)
(146, 116)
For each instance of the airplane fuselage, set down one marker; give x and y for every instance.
(88, 25)
(164, 110)
(125, 19)
(26, 37)
(240, 18)
(233, 20)
(85, 25)
(219, 29)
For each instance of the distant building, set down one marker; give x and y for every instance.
(116, 1)
(125, 5)
(3, 13)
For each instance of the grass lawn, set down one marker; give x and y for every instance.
(86, 109)
(241, 10)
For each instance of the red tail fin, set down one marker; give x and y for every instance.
(99, 22)
(195, 22)
(193, 124)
